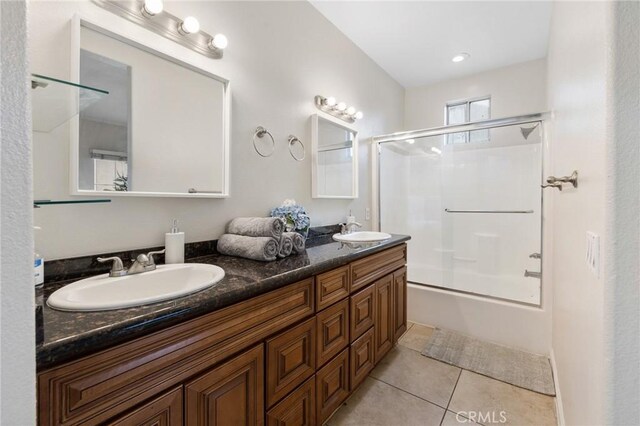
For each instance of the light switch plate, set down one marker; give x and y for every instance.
(367, 213)
(593, 253)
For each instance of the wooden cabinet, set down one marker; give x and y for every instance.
(332, 287)
(362, 358)
(297, 409)
(231, 394)
(291, 359)
(165, 410)
(362, 310)
(384, 328)
(399, 303)
(332, 386)
(369, 269)
(274, 357)
(332, 326)
(98, 387)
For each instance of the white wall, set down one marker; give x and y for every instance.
(17, 347)
(280, 55)
(622, 289)
(594, 95)
(515, 90)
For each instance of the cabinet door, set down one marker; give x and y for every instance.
(362, 315)
(297, 409)
(332, 332)
(291, 359)
(332, 287)
(231, 394)
(384, 317)
(400, 303)
(362, 357)
(165, 410)
(332, 386)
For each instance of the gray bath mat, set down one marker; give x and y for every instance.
(516, 367)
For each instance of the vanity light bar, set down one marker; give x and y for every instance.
(151, 15)
(337, 109)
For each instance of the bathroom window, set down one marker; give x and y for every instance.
(466, 111)
(109, 175)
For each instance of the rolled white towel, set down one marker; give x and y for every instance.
(298, 241)
(286, 245)
(256, 227)
(264, 249)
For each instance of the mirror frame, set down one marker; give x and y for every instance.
(143, 39)
(315, 144)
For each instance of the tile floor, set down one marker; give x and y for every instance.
(408, 389)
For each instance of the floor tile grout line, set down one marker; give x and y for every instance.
(454, 388)
(407, 392)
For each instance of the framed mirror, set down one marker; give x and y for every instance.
(163, 129)
(334, 165)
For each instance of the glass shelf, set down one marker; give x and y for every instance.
(55, 101)
(38, 203)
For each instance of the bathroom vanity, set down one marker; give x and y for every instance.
(279, 343)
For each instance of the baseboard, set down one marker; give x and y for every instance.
(559, 409)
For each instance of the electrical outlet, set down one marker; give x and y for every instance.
(367, 213)
(593, 253)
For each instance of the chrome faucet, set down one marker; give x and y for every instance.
(350, 226)
(532, 274)
(347, 228)
(143, 263)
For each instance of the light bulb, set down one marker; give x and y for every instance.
(436, 150)
(460, 57)
(152, 7)
(351, 110)
(330, 101)
(341, 106)
(190, 25)
(219, 41)
(358, 115)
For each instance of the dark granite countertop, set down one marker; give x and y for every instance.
(70, 335)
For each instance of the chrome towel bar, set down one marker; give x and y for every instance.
(489, 211)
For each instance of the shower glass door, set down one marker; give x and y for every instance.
(472, 207)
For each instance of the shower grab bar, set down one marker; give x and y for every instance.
(489, 211)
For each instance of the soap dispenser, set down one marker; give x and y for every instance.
(174, 245)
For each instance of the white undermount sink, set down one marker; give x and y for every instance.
(103, 293)
(362, 237)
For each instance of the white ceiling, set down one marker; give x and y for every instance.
(414, 41)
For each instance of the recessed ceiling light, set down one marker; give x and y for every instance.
(460, 57)
(411, 141)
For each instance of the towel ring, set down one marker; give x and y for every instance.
(292, 142)
(260, 132)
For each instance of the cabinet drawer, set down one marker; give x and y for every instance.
(231, 394)
(362, 356)
(332, 287)
(332, 386)
(101, 386)
(369, 269)
(165, 410)
(297, 409)
(332, 331)
(363, 308)
(291, 359)
(400, 302)
(384, 317)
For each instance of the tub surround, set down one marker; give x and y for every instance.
(71, 335)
